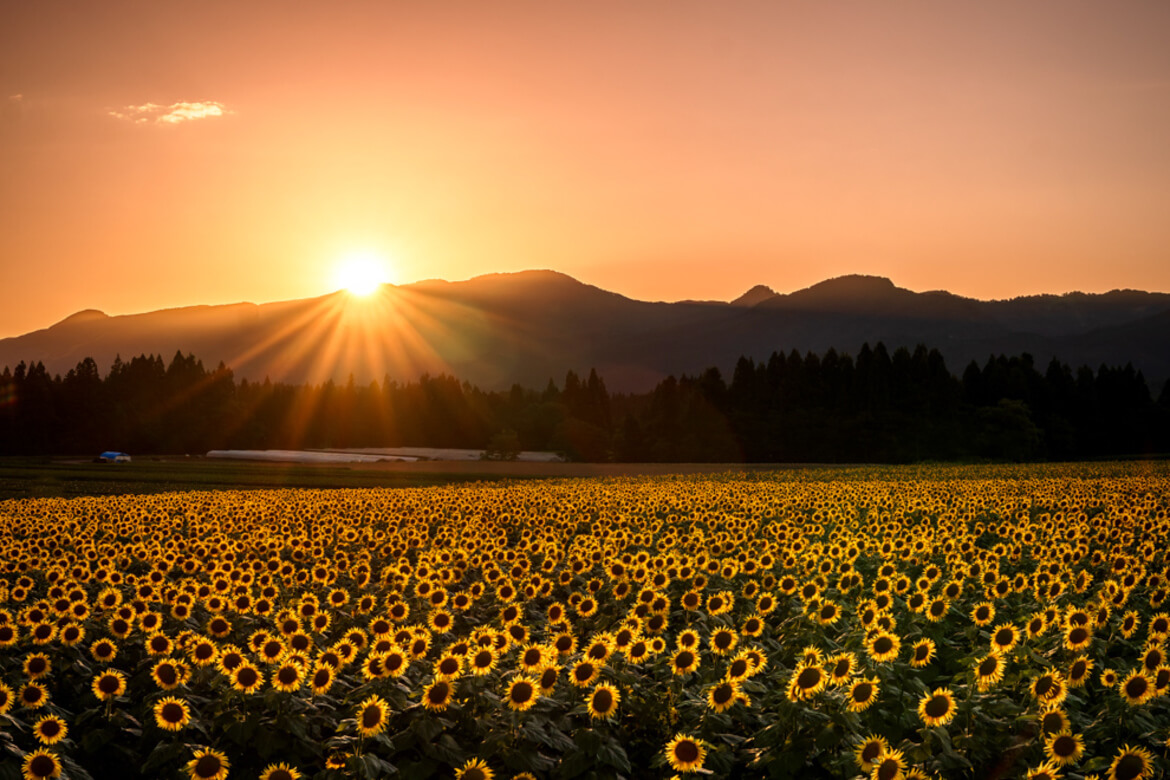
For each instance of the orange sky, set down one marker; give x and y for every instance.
(155, 154)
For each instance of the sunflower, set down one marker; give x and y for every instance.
(1077, 638)
(109, 684)
(280, 771)
(474, 770)
(983, 614)
(989, 670)
(437, 695)
(71, 635)
(684, 662)
(1136, 688)
(937, 609)
(1078, 671)
(688, 639)
(50, 729)
(395, 662)
(1036, 626)
(603, 701)
(890, 765)
(1153, 657)
(448, 667)
(828, 612)
(104, 650)
(723, 641)
(922, 653)
(208, 764)
(807, 681)
(1049, 770)
(7, 697)
(869, 750)
(937, 708)
(883, 646)
(1132, 763)
(247, 678)
(522, 693)
(841, 668)
(1004, 638)
(741, 667)
(41, 764)
(288, 677)
(1064, 747)
(862, 693)
(532, 658)
(372, 715)
(722, 696)
(482, 661)
(1054, 720)
(1049, 687)
(583, 673)
(546, 680)
(203, 652)
(685, 754)
(169, 674)
(171, 714)
(321, 680)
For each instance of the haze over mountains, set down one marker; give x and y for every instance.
(528, 327)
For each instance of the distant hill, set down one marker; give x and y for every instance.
(527, 327)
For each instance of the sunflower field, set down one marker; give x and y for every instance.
(950, 622)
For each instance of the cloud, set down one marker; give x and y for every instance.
(16, 98)
(175, 113)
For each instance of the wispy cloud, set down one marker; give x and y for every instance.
(175, 113)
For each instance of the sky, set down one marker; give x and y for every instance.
(159, 154)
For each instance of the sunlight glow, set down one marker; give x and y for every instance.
(361, 273)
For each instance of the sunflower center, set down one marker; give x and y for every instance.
(438, 693)
(1064, 746)
(207, 766)
(723, 694)
(1129, 767)
(684, 659)
(248, 677)
(888, 769)
(883, 645)
(871, 751)
(602, 700)
(862, 691)
(287, 675)
(371, 716)
(50, 728)
(42, 766)
(1078, 635)
(938, 706)
(809, 678)
(1004, 637)
(449, 666)
(686, 751)
(1043, 685)
(108, 684)
(988, 666)
(723, 640)
(1136, 688)
(172, 712)
(521, 692)
(475, 773)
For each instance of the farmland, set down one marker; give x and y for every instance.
(861, 622)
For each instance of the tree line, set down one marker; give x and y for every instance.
(832, 407)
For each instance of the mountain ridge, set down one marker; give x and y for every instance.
(526, 327)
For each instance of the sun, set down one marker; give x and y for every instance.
(361, 273)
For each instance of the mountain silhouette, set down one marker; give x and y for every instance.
(528, 327)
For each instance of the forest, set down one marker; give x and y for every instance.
(874, 407)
